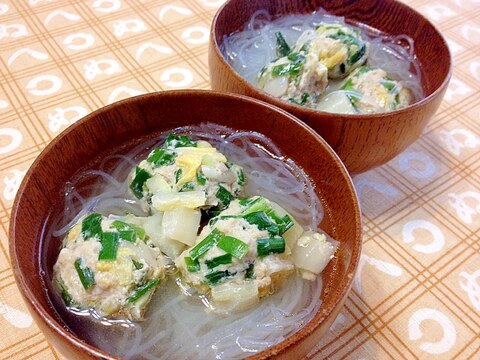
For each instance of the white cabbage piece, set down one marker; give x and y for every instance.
(313, 252)
(181, 224)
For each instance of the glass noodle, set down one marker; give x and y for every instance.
(249, 50)
(176, 324)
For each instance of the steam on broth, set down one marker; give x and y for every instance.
(319, 61)
(187, 318)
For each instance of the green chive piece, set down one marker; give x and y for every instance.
(140, 232)
(287, 223)
(192, 265)
(109, 243)
(141, 176)
(224, 195)
(219, 260)
(297, 58)
(215, 277)
(233, 246)
(161, 157)
(206, 244)
(273, 245)
(175, 141)
(349, 86)
(241, 177)
(254, 205)
(128, 232)
(292, 69)
(201, 179)
(389, 85)
(265, 217)
(178, 175)
(67, 297)
(137, 264)
(85, 274)
(282, 47)
(303, 100)
(64, 292)
(250, 274)
(142, 291)
(263, 222)
(190, 186)
(92, 226)
(357, 56)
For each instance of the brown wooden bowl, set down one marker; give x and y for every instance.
(361, 141)
(119, 127)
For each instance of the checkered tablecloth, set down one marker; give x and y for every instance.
(416, 294)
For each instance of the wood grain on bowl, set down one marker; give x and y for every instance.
(127, 123)
(361, 141)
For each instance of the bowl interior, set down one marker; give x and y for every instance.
(388, 16)
(119, 127)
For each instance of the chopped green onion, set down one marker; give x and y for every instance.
(273, 245)
(92, 226)
(346, 39)
(263, 222)
(292, 69)
(303, 100)
(357, 56)
(206, 244)
(85, 274)
(137, 264)
(283, 223)
(187, 187)
(254, 205)
(175, 141)
(215, 277)
(250, 274)
(280, 70)
(297, 58)
(247, 202)
(140, 232)
(142, 291)
(220, 260)
(282, 47)
(161, 157)
(128, 232)
(224, 195)
(109, 241)
(265, 217)
(389, 85)
(192, 265)
(349, 86)
(178, 175)
(201, 179)
(64, 292)
(240, 176)
(136, 186)
(233, 246)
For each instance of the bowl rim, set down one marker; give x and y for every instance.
(75, 341)
(309, 112)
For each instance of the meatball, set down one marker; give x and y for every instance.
(108, 265)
